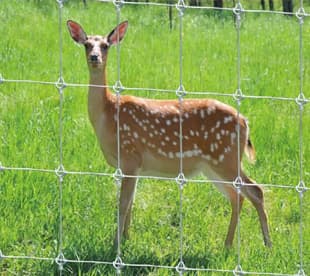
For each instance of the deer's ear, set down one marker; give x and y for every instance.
(118, 33)
(76, 32)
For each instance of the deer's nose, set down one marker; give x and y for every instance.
(94, 57)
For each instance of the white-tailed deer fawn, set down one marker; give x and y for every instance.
(149, 136)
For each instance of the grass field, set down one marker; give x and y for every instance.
(29, 138)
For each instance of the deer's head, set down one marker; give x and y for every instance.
(96, 46)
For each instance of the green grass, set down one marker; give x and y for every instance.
(29, 137)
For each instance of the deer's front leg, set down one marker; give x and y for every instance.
(125, 204)
(236, 205)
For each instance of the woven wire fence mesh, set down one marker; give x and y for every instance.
(180, 267)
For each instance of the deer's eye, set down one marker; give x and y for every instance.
(104, 46)
(87, 45)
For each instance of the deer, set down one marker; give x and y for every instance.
(149, 131)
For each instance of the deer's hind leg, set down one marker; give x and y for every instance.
(256, 195)
(223, 183)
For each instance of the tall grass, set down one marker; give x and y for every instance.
(29, 135)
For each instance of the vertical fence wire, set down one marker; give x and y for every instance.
(238, 97)
(60, 172)
(181, 180)
(118, 263)
(180, 268)
(301, 101)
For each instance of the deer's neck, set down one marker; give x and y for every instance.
(99, 96)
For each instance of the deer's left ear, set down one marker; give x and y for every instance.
(76, 32)
(118, 33)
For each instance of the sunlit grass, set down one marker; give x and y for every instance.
(29, 137)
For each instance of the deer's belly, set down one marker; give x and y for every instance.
(169, 167)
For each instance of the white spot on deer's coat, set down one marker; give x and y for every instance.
(135, 134)
(161, 152)
(188, 153)
(171, 155)
(163, 130)
(157, 121)
(207, 157)
(228, 119)
(191, 132)
(212, 147)
(126, 127)
(221, 158)
(168, 122)
(232, 137)
(175, 119)
(202, 114)
(125, 142)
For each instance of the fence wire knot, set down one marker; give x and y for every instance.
(238, 183)
(1, 79)
(181, 180)
(118, 264)
(118, 176)
(61, 172)
(60, 261)
(180, 268)
(301, 100)
(180, 92)
(301, 272)
(1, 170)
(180, 7)
(1, 256)
(60, 84)
(238, 271)
(238, 95)
(60, 3)
(301, 188)
(300, 14)
(238, 10)
(118, 87)
(118, 3)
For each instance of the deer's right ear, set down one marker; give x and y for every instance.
(76, 32)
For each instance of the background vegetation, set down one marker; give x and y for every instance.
(29, 137)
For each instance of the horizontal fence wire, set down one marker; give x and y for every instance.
(61, 172)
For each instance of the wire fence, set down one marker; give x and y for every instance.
(238, 11)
